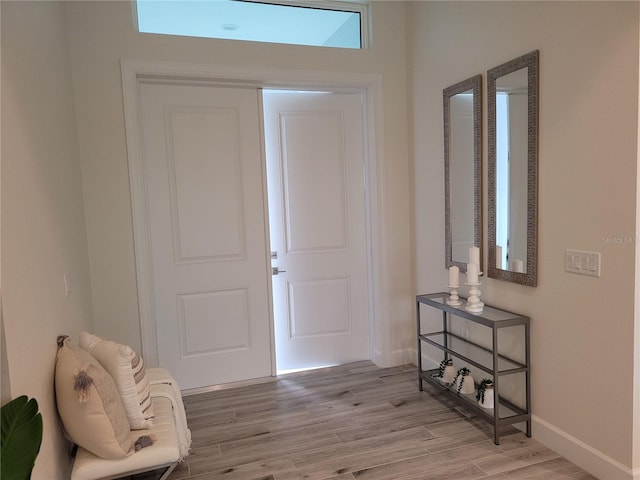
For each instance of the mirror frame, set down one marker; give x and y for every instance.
(529, 61)
(475, 85)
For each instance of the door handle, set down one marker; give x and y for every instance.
(276, 271)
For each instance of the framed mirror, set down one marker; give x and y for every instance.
(512, 99)
(462, 104)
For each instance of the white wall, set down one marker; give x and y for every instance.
(102, 33)
(43, 227)
(582, 327)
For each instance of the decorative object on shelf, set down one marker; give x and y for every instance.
(446, 372)
(474, 256)
(485, 395)
(474, 305)
(454, 299)
(474, 259)
(454, 276)
(454, 284)
(472, 274)
(464, 382)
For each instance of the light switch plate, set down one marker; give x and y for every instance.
(582, 262)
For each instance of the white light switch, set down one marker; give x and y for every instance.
(581, 262)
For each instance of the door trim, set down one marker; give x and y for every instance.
(136, 71)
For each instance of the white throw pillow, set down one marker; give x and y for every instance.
(89, 403)
(127, 369)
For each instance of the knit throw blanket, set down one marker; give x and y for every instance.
(167, 387)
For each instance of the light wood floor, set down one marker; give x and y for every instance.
(353, 422)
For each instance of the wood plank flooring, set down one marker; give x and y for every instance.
(353, 422)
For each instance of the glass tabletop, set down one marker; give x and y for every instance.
(488, 315)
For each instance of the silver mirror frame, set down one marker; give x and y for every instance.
(475, 85)
(529, 61)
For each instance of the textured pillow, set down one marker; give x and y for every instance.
(89, 403)
(127, 369)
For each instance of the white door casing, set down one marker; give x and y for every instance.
(315, 169)
(204, 181)
(135, 72)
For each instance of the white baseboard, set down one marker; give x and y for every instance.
(402, 357)
(410, 356)
(576, 451)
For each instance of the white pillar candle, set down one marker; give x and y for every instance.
(474, 255)
(517, 265)
(454, 276)
(472, 273)
(499, 257)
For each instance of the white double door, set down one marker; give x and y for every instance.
(208, 228)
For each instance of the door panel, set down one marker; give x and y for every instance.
(204, 181)
(313, 169)
(311, 315)
(315, 165)
(196, 322)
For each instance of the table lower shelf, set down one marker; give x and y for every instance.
(506, 414)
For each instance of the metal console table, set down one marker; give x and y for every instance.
(488, 360)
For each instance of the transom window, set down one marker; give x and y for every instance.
(330, 24)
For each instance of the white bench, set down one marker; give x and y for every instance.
(171, 441)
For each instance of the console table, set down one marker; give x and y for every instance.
(478, 358)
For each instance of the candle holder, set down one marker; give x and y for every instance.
(474, 305)
(454, 299)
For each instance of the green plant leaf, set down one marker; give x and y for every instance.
(21, 438)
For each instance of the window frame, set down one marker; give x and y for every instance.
(360, 7)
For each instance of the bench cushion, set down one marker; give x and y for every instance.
(164, 451)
